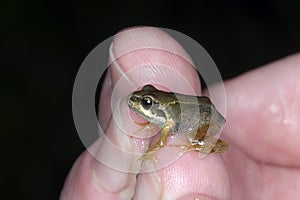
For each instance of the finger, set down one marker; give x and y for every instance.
(149, 64)
(263, 115)
(109, 179)
(188, 178)
(149, 55)
(104, 109)
(269, 181)
(103, 170)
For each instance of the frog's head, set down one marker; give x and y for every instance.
(146, 103)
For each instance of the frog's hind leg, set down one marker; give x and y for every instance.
(207, 144)
(202, 143)
(220, 147)
(200, 133)
(152, 150)
(210, 145)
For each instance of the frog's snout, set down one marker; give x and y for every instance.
(132, 98)
(131, 101)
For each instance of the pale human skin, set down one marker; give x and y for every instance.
(263, 129)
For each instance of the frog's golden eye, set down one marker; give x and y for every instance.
(147, 102)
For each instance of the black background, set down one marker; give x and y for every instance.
(44, 42)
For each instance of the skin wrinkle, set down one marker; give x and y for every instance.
(240, 182)
(86, 162)
(98, 183)
(282, 175)
(253, 181)
(67, 192)
(130, 182)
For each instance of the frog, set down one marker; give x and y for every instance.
(174, 113)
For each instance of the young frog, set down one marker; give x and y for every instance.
(174, 113)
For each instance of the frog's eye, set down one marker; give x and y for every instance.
(147, 102)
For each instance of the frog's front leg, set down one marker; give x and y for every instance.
(150, 153)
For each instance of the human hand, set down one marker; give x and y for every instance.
(262, 126)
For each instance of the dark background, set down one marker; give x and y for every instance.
(43, 44)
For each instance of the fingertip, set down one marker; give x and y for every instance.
(135, 38)
(148, 55)
(191, 175)
(188, 176)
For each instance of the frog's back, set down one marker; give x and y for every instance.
(192, 113)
